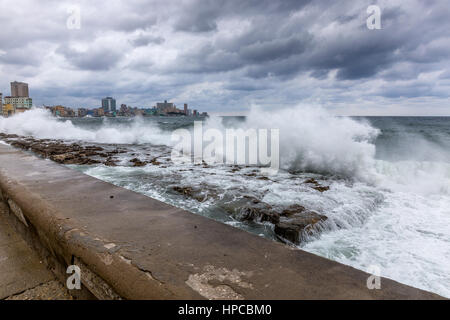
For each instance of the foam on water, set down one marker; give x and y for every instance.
(39, 123)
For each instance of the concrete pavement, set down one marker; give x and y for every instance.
(23, 275)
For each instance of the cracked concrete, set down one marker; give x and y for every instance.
(22, 275)
(219, 283)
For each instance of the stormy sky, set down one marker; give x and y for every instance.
(226, 56)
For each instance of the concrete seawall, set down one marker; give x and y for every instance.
(133, 247)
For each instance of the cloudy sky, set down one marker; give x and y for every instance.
(227, 56)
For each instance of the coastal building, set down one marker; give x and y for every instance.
(109, 104)
(186, 109)
(19, 89)
(1, 101)
(100, 112)
(82, 112)
(19, 102)
(61, 111)
(165, 107)
(19, 99)
(8, 110)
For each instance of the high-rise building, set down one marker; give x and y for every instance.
(1, 102)
(186, 109)
(19, 99)
(19, 89)
(109, 104)
(163, 106)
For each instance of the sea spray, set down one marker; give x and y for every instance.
(39, 123)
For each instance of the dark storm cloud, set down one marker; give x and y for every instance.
(203, 15)
(230, 52)
(92, 59)
(146, 39)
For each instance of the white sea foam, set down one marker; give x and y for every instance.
(39, 123)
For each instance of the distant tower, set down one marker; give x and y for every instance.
(186, 109)
(19, 89)
(1, 102)
(109, 104)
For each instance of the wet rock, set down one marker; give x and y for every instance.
(311, 181)
(292, 210)
(93, 148)
(187, 191)
(155, 162)
(205, 165)
(316, 185)
(297, 229)
(62, 158)
(259, 212)
(190, 192)
(59, 151)
(321, 188)
(110, 162)
(21, 144)
(138, 163)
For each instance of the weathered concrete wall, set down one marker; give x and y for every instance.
(134, 247)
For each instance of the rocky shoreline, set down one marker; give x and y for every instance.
(291, 224)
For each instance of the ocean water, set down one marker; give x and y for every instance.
(389, 199)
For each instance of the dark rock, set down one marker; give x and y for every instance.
(190, 192)
(138, 163)
(155, 162)
(259, 212)
(316, 185)
(296, 229)
(294, 209)
(321, 188)
(235, 168)
(311, 181)
(93, 148)
(110, 162)
(62, 158)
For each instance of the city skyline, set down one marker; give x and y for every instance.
(19, 101)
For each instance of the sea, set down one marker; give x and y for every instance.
(388, 203)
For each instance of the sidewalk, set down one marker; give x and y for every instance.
(22, 275)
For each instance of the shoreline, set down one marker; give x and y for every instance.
(134, 247)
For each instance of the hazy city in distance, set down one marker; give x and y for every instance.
(19, 101)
